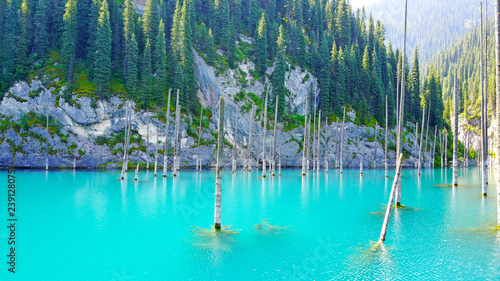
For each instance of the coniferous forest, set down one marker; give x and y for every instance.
(105, 47)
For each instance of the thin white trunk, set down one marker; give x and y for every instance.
(388, 210)
(235, 148)
(147, 145)
(376, 146)
(308, 149)
(484, 149)
(497, 68)
(446, 148)
(312, 142)
(273, 161)
(361, 167)
(125, 143)
(427, 134)
(198, 160)
(386, 135)
(486, 141)
(399, 147)
(249, 145)
(74, 163)
(156, 153)
(137, 173)
(279, 163)
(319, 140)
(47, 144)
(175, 169)
(342, 143)
(325, 146)
(264, 128)
(167, 122)
(434, 146)
(416, 141)
(455, 135)
(304, 162)
(218, 171)
(441, 145)
(421, 141)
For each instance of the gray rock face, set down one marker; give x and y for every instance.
(80, 124)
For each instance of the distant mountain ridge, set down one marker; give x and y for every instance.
(432, 25)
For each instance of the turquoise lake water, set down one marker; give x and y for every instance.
(87, 225)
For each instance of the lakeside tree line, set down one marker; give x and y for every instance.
(150, 53)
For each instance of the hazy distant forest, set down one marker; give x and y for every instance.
(101, 48)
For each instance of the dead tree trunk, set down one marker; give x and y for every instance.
(386, 135)
(388, 210)
(399, 147)
(376, 146)
(455, 135)
(198, 160)
(308, 149)
(264, 129)
(147, 144)
(137, 173)
(47, 144)
(325, 146)
(497, 74)
(304, 163)
(176, 136)
(156, 153)
(273, 161)
(218, 171)
(249, 145)
(235, 148)
(416, 142)
(421, 142)
(319, 140)
(434, 146)
(426, 150)
(167, 121)
(342, 143)
(484, 149)
(125, 143)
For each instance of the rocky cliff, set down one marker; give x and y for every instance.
(91, 134)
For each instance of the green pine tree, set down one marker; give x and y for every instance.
(102, 57)
(69, 38)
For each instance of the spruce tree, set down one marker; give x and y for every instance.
(69, 38)
(132, 60)
(160, 63)
(22, 44)
(41, 29)
(146, 75)
(102, 57)
(278, 76)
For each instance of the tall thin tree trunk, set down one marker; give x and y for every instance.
(176, 136)
(318, 143)
(455, 135)
(313, 146)
(273, 160)
(441, 146)
(376, 146)
(361, 167)
(325, 146)
(388, 210)
(446, 148)
(125, 142)
(342, 143)
(249, 145)
(434, 146)
(147, 144)
(264, 129)
(397, 90)
(399, 147)
(484, 149)
(279, 163)
(235, 148)
(416, 142)
(198, 160)
(156, 153)
(47, 144)
(137, 173)
(167, 122)
(308, 150)
(426, 150)
(421, 142)
(497, 68)
(486, 141)
(386, 135)
(337, 143)
(305, 141)
(218, 171)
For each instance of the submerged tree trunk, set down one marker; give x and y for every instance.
(304, 163)
(273, 161)
(167, 120)
(399, 147)
(484, 149)
(264, 128)
(249, 145)
(125, 143)
(376, 146)
(361, 167)
(386, 128)
(455, 135)
(176, 137)
(198, 160)
(137, 173)
(416, 141)
(421, 141)
(388, 210)
(279, 163)
(325, 146)
(218, 171)
(147, 145)
(308, 148)
(342, 143)
(319, 140)
(426, 150)
(47, 144)
(434, 146)
(497, 68)
(235, 148)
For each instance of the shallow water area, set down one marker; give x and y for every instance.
(87, 225)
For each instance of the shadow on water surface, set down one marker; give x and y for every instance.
(268, 229)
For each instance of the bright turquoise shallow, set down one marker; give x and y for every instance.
(90, 226)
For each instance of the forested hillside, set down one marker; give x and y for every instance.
(463, 58)
(433, 25)
(102, 48)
